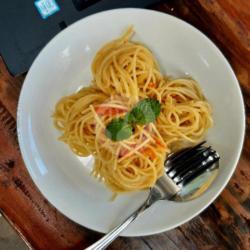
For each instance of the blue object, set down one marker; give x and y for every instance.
(46, 8)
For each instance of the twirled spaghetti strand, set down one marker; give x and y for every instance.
(125, 72)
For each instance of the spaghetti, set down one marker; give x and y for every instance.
(125, 72)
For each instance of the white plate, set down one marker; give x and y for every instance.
(64, 65)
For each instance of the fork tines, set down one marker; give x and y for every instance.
(184, 166)
(197, 170)
(176, 158)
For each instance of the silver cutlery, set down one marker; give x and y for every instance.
(188, 174)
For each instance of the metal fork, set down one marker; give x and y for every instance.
(189, 173)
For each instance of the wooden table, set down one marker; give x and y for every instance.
(224, 225)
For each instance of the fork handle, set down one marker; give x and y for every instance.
(114, 233)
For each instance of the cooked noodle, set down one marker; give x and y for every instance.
(125, 72)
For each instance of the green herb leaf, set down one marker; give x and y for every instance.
(146, 111)
(118, 129)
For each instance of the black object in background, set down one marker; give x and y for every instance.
(25, 27)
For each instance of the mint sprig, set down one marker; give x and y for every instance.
(118, 130)
(144, 112)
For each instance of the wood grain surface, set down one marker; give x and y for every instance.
(223, 225)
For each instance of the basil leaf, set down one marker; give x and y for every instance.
(145, 111)
(118, 129)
